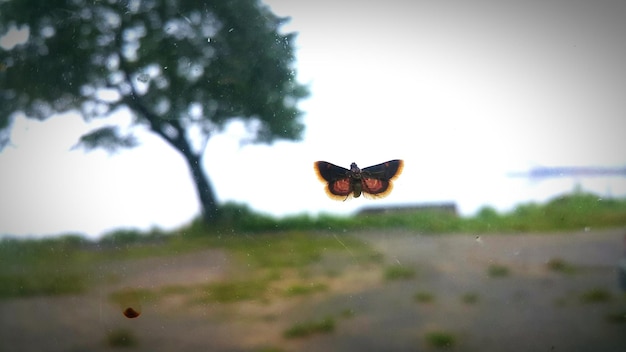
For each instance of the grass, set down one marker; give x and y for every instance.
(498, 270)
(595, 295)
(65, 264)
(575, 210)
(398, 272)
(560, 265)
(301, 290)
(228, 291)
(307, 328)
(263, 258)
(133, 298)
(41, 283)
(235, 291)
(70, 264)
(469, 298)
(42, 267)
(121, 338)
(347, 313)
(617, 317)
(423, 297)
(290, 249)
(440, 339)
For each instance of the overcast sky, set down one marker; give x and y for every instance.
(465, 92)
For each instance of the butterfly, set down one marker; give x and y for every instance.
(372, 182)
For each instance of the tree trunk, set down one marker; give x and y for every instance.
(205, 192)
(208, 204)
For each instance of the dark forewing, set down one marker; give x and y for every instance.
(329, 172)
(385, 171)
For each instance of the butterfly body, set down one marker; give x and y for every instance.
(373, 181)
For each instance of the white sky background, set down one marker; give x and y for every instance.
(463, 92)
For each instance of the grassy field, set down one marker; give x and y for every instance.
(63, 265)
(571, 211)
(363, 283)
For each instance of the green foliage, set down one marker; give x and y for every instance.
(242, 218)
(617, 317)
(307, 328)
(123, 237)
(570, 211)
(42, 267)
(288, 249)
(63, 265)
(109, 138)
(498, 270)
(347, 313)
(184, 69)
(398, 272)
(121, 338)
(560, 265)
(469, 298)
(228, 57)
(235, 291)
(133, 295)
(487, 214)
(301, 290)
(440, 339)
(423, 297)
(41, 284)
(596, 295)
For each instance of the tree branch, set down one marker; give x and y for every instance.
(133, 101)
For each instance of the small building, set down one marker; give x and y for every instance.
(446, 207)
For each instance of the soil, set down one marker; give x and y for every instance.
(574, 305)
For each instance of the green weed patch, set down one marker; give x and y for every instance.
(307, 328)
(398, 272)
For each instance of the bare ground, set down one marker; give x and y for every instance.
(532, 308)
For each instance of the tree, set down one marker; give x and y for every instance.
(183, 68)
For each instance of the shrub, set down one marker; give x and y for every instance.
(399, 272)
(440, 339)
(307, 328)
(497, 270)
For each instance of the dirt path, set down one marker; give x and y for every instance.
(532, 308)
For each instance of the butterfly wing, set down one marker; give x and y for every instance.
(337, 179)
(388, 170)
(376, 180)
